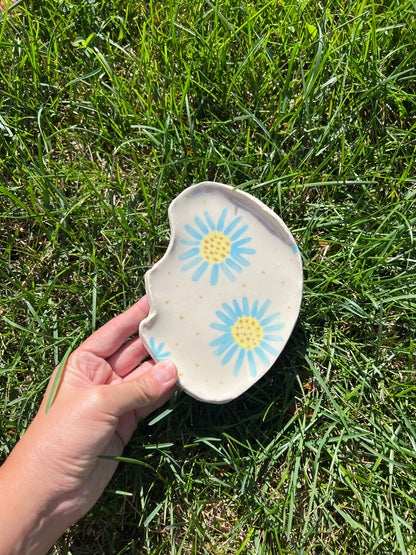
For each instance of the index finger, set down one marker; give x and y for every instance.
(108, 339)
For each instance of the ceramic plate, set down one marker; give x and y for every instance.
(226, 295)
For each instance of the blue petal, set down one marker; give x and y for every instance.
(265, 346)
(260, 353)
(226, 345)
(232, 225)
(241, 242)
(229, 355)
(191, 263)
(245, 251)
(227, 272)
(224, 318)
(209, 221)
(200, 271)
(221, 340)
(190, 242)
(236, 267)
(273, 328)
(164, 356)
(221, 221)
(294, 249)
(263, 309)
(201, 225)
(237, 309)
(246, 308)
(214, 274)
(239, 362)
(254, 309)
(189, 254)
(219, 327)
(269, 319)
(252, 364)
(239, 258)
(272, 337)
(158, 350)
(230, 311)
(239, 232)
(192, 232)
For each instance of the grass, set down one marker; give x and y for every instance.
(107, 111)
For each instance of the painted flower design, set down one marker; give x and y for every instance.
(219, 248)
(158, 351)
(247, 334)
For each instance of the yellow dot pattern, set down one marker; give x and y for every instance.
(215, 247)
(247, 332)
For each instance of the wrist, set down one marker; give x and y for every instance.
(33, 513)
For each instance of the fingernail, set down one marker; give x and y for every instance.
(165, 372)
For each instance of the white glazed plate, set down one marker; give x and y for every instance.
(226, 295)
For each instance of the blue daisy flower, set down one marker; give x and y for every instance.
(247, 334)
(220, 248)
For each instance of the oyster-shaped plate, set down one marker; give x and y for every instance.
(226, 295)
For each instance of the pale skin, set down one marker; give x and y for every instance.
(55, 473)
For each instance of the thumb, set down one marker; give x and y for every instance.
(143, 391)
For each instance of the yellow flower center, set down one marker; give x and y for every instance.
(247, 332)
(215, 247)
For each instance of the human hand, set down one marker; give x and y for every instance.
(102, 396)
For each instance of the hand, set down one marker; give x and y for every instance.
(102, 395)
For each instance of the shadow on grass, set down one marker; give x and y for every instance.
(260, 412)
(197, 451)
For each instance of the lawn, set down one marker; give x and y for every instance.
(108, 110)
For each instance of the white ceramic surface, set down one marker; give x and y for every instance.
(226, 295)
